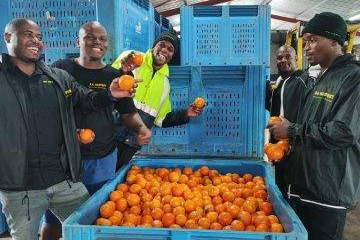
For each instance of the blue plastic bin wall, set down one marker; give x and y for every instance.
(157, 24)
(79, 225)
(225, 35)
(165, 24)
(3, 226)
(128, 22)
(232, 123)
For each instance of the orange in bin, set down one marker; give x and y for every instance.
(206, 200)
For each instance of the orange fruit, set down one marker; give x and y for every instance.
(245, 217)
(191, 224)
(249, 207)
(179, 210)
(174, 176)
(157, 213)
(262, 228)
(215, 226)
(175, 226)
(204, 223)
(189, 206)
(261, 194)
(126, 82)
(233, 210)
(228, 196)
(199, 102)
(237, 225)
(106, 210)
(115, 221)
(147, 219)
(187, 171)
(103, 222)
(284, 144)
(274, 119)
(250, 228)
(273, 219)
(116, 195)
(121, 204)
(135, 188)
(135, 210)
(212, 216)
(225, 218)
(180, 219)
(122, 187)
(247, 177)
(168, 219)
(137, 59)
(204, 170)
(275, 152)
(177, 190)
(157, 224)
(167, 208)
(86, 136)
(133, 199)
(266, 207)
(183, 178)
(276, 227)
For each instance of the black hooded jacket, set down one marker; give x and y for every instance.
(324, 163)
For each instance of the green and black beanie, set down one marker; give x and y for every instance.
(329, 25)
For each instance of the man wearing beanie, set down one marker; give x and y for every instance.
(324, 163)
(152, 97)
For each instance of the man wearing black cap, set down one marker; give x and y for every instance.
(324, 163)
(152, 98)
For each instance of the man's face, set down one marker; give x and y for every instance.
(26, 42)
(317, 48)
(163, 52)
(93, 42)
(286, 60)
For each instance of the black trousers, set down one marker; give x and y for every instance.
(322, 223)
(125, 154)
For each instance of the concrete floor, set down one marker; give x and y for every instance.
(352, 227)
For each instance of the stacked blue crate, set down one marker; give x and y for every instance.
(128, 22)
(225, 35)
(3, 226)
(233, 122)
(157, 24)
(165, 24)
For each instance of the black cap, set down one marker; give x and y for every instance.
(169, 36)
(329, 25)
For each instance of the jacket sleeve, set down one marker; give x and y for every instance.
(340, 129)
(268, 95)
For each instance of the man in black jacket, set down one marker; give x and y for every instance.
(39, 151)
(324, 163)
(283, 98)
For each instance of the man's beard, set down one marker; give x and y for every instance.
(21, 57)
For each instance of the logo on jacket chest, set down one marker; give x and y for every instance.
(95, 85)
(324, 95)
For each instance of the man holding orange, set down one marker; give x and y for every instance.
(152, 97)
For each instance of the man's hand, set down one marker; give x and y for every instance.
(279, 130)
(144, 135)
(127, 64)
(193, 111)
(117, 93)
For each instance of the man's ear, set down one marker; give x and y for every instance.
(7, 37)
(78, 42)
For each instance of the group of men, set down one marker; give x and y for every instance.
(45, 169)
(320, 112)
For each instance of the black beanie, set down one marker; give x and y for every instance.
(329, 25)
(169, 36)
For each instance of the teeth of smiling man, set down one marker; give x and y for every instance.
(34, 49)
(162, 56)
(96, 49)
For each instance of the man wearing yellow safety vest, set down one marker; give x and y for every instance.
(152, 97)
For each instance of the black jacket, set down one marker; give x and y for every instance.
(14, 123)
(325, 156)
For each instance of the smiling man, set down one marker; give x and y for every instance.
(152, 98)
(283, 98)
(324, 163)
(40, 162)
(100, 156)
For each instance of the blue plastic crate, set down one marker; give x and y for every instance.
(157, 24)
(232, 123)
(79, 225)
(225, 35)
(165, 24)
(128, 22)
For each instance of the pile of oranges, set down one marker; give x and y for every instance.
(184, 198)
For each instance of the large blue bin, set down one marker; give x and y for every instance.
(233, 121)
(157, 24)
(225, 35)
(79, 225)
(128, 22)
(3, 226)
